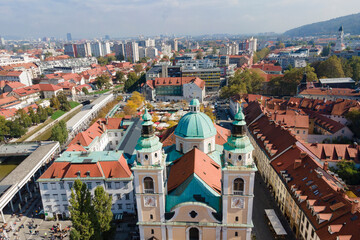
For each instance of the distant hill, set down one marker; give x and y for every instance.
(351, 24)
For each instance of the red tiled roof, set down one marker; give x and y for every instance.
(325, 122)
(75, 148)
(177, 81)
(267, 67)
(10, 73)
(48, 87)
(104, 169)
(195, 162)
(330, 92)
(14, 85)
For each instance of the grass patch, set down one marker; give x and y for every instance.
(119, 86)
(57, 114)
(74, 104)
(100, 92)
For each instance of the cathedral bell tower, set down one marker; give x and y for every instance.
(238, 175)
(149, 178)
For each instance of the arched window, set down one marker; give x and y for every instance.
(239, 157)
(229, 156)
(194, 234)
(181, 148)
(155, 155)
(238, 187)
(148, 185)
(209, 147)
(146, 157)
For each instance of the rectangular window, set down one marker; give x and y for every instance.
(70, 184)
(127, 196)
(110, 142)
(66, 207)
(128, 206)
(45, 186)
(98, 183)
(47, 197)
(115, 134)
(89, 185)
(109, 185)
(62, 186)
(56, 197)
(307, 225)
(117, 142)
(118, 196)
(117, 185)
(120, 206)
(126, 184)
(53, 186)
(63, 197)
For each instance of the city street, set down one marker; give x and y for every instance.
(264, 200)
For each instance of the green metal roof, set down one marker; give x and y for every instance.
(193, 189)
(148, 144)
(89, 157)
(239, 118)
(195, 125)
(238, 144)
(194, 102)
(172, 154)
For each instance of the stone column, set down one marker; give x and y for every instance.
(2, 216)
(20, 195)
(27, 187)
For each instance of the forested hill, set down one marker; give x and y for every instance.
(351, 24)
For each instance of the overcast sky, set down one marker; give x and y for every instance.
(122, 18)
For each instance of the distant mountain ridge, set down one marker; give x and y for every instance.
(351, 24)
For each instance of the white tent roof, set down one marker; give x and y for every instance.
(275, 222)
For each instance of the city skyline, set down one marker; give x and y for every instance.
(93, 18)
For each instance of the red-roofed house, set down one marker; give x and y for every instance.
(106, 169)
(16, 76)
(49, 90)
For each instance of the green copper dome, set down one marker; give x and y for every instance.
(195, 102)
(239, 118)
(146, 116)
(238, 145)
(195, 125)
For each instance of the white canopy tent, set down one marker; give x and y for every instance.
(275, 222)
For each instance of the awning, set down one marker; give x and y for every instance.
(275, 222)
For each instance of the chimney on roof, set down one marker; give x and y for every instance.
(325, 167)
(297, 163)
(354, 206)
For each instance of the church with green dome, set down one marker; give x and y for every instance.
(197, 181)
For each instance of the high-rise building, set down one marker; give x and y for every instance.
(175, 43)
(96, 49)
(2, 41)
(196, 188)
(119, 49)
(83, 49)
(252, 45)
(132, 51)
(70, 50)
(105, 48)
(68, 37)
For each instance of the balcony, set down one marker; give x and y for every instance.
(238, 192)
(149, 191)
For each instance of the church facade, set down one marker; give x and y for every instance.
(194, 188)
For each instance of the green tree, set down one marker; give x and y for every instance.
(132, 79)
(42, 113)
(119, 77)
(16, 129)
(287, 84)
(4, 129)
(247, 81)
(348, 172)
(345, 64)
(24, 118)
(326, 51)
(330, 68)
(102, 61)
(102, 208)
(261, 54)
(85, 91)
(354, 62)
(279, 45)
(138, 68)
(102, 80)
(64, 103)
(81, 210)
(120, 57)
(199, 54)
(54, 102)
(34, 117)
(59, 132)
(74, 234)
(354, 118)
(49, 111)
